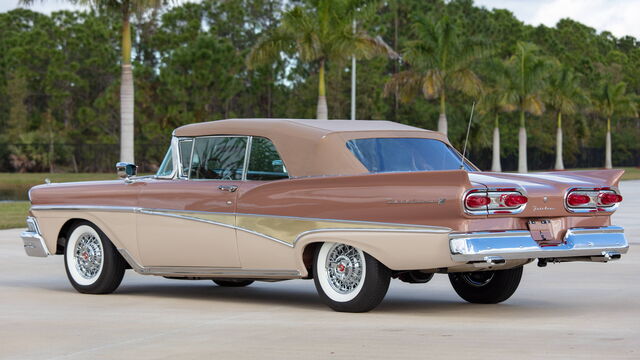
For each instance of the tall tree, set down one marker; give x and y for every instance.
(440, 62)
(613, 100)
(527, 76)
(126, 8)
(320, 33)
(563, 94)
(494, 101)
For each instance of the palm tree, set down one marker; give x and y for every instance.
(527, 81)
(494, 101)
(440, 62)
(563, 94)
(613, 100)
(126, 8)
(319, 33)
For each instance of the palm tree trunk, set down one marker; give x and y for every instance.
(321, 112)
(495, 161)
(397, 61)
(559, 161)
(522, 145)
(608, 164)
(442, 119)
(126, 95)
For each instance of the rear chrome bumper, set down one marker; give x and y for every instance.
(33, 241)
(494, 248)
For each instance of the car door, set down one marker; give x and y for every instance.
(188, 219)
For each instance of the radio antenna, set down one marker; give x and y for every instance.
(464, 150)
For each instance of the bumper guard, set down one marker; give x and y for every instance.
(33, 241)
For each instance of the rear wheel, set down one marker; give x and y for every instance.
(486, 287)
(233, 283)
(348, 279)
(93, 264)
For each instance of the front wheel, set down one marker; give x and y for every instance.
(486, 287)
(347, 279)
(93, 264)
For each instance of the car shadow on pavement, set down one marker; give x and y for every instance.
(253, 294)
(302, 295)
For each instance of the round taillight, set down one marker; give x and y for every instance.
(512, 200)
(477, 201)
(578, 199)
(609, 198)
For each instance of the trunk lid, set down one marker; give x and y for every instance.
(546, 191)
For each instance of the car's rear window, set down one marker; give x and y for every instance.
(405, 154)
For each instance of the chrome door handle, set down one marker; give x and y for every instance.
(229, 188)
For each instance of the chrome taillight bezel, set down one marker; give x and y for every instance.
(494, 191)
(592, 206)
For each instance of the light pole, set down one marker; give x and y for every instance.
(353, 79)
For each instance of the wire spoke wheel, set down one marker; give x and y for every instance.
(88, 255)
(345, 268)
(93, 264)
(348, 279)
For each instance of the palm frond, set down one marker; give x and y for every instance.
(269, 48)
(533, 104)
(405, 85)
(466, 81)
(432, 84)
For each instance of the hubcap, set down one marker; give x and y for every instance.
(344, 268)
(478, 278)
(88, 255)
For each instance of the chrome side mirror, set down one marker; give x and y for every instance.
(126, 170)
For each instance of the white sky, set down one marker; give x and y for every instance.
(620, 17)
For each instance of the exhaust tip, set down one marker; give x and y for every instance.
(607, 256)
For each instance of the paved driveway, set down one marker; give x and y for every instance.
(566, 311)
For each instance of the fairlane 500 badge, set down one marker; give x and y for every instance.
(438, 201)
(545, 208)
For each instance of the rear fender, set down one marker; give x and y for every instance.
(397, 249)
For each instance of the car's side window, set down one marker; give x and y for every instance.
(218, 157)
(264, 161)
(185, 146)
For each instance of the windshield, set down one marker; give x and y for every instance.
(405, 154)
(166, 168)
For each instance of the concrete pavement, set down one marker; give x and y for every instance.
(563, 311)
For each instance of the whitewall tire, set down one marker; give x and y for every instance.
(348, 279)
(92, 263)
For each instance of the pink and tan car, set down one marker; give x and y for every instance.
(350, 204)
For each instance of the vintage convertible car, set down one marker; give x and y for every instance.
(350, 204)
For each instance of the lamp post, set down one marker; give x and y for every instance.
(353, 80)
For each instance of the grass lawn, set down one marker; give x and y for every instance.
(38, 178)
(630, 173)
(14, 186)
(13, 214)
